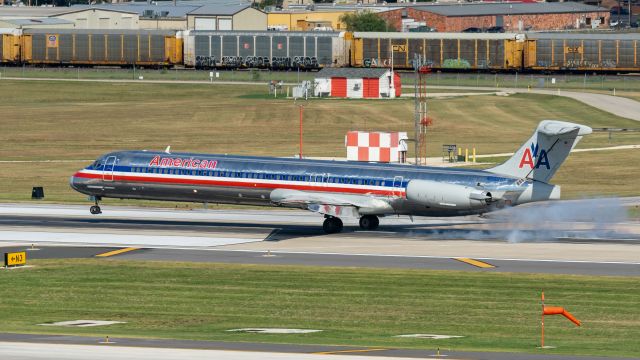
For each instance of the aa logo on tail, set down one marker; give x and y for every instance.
(532, 157)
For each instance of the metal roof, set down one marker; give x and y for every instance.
(435, 35)
(24, 11)
(39, 21)
(309, 34)
(220, 9)
(352, 73)
(179, 11)
(584, 36)
(509, 8)
(100, 31)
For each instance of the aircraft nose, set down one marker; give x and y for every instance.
(73, 182)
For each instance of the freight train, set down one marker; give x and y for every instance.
(546, 52)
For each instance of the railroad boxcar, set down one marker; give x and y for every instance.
(102, 47)
(264, 49)
(582, 52)
(454, 51)
(10, 46)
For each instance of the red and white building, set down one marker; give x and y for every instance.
(376, 146)
(357, 83)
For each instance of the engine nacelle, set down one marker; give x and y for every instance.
(447, 196)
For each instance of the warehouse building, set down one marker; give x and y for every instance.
(227, 17)
(509, 16)
(183, 16)
(81, 17)
(96, 18)
(305, 20)
(370, 83)
(152, 16)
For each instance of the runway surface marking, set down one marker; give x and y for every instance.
(476, 263)
(116, 252)
(276, 252)
(347, 351)
(120, 239)
(111, 351)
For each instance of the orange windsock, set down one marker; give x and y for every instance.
(557, 310)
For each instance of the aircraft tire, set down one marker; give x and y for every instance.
(95, 209)
(369, 222)
(332, 225)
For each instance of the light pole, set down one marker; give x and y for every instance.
(301, 113)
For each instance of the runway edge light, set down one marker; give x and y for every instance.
(554, 310)
(15, 259)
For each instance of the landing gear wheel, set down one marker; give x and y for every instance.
(332, 225)
(369, 222)
(95, 209)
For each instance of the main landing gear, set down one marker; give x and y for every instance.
(95, 209)
(369, 222)
(332, 225)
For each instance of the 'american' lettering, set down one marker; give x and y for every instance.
(184, 163)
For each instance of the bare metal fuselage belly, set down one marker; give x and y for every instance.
(258, 196)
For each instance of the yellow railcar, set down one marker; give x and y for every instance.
(102, 47)
(10, 46)
(582, 52)
(455, 51)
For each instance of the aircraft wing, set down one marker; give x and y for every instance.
(331, 203)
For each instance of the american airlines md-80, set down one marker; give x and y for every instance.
(332, 188)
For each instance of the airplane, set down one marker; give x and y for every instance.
(335, 189)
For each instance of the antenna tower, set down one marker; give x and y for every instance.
(420, 116)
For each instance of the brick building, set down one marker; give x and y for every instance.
(511, 16)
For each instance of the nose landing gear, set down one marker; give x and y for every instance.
(95, 209)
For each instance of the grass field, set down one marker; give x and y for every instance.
(588, 82)
(76, 122)
(495, 312)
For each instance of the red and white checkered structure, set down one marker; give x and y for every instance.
(375, 146)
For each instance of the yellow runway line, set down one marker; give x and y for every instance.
(117, 252)
(478, 263)
(347, 351)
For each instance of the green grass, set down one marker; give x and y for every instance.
(77, 122)
(355, 306)
(153, 74)
(591, 82)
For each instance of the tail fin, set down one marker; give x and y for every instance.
(541, 156)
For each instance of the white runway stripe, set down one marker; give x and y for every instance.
(148, 241)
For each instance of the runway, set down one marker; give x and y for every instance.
(475, 244)
(64, 347)
(295, 238)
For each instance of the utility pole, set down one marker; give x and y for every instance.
(301, 107)
(420, 112)
(417, 61)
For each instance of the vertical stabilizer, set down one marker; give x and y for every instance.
(540, 157)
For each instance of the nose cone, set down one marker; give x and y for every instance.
(73, 182)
